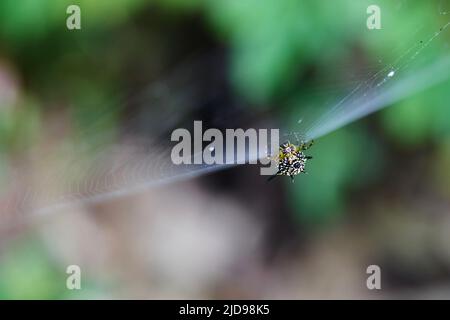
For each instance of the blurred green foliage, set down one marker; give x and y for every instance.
(19, 128)
(338, 166)
(27, 272)
(30, 19)
(272, 40)
(423, 118)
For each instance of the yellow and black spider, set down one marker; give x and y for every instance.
(291, 159)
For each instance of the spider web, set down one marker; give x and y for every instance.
(81, 174)
(394, 82)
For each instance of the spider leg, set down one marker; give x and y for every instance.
(273, 176)
(306, 146)
(292, 179)
(308, 157)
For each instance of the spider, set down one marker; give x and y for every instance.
(291, 159)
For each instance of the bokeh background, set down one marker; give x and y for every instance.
(377, 192)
